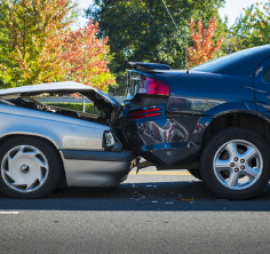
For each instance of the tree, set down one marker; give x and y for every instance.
(203, 49)
(252, 29)
(86, 58)
(142, 30)
(32, 32)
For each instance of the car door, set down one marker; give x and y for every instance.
(262, 88)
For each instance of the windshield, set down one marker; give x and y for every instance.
(216, 64)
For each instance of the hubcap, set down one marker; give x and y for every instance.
(238, 164)
(24, 168)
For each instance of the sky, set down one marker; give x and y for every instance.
(232, 8)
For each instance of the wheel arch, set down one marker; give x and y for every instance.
(243, 119)
(5, 137)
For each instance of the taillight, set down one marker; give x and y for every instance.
(144, 113)
(153, 86)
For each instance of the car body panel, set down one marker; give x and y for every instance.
(197, 97)
(88, 168)
(165, 142)
(197, 92)
(65, 132)
(171, 143)
(262, 89)
(68, 86)
(98, 97)
(240, 64)
(187, 97)
(79, 141)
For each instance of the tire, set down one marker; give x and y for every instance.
(30, 168)
(196, 173)
(235, 164)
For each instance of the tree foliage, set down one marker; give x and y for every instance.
(252, 29)
(37, 45)
(32, 32)
(203, 49)
(142, 30)
(86, 58)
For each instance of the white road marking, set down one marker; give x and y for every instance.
(163, 173)
(9, 212)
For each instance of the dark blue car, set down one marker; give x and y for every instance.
(213, 120)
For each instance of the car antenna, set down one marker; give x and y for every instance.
(172, 19)
(178, 31)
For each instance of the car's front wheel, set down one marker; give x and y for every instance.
(30, 168)
(235, 163)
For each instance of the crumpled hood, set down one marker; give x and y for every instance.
(101, 99)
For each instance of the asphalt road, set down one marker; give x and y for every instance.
(150, 213)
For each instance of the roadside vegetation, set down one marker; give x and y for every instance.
(89, 107)
(203, 48)
(38, 42)
(37, 45)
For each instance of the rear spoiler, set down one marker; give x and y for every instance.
(149, 67)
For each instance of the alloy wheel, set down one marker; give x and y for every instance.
(238, 164)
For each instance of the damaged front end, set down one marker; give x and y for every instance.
(106, 112)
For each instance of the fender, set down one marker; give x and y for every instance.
(263, 113)
(224, 109)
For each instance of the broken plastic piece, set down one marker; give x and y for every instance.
(188, 199)
(169, 203)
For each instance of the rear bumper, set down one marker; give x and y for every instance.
(97, 168)
(167, 143)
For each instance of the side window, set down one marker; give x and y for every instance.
(266, 75)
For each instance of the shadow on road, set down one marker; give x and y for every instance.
(155, 196)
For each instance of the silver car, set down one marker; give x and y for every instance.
(43, 145)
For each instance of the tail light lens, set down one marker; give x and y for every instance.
(153, 86)
(145, 113)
